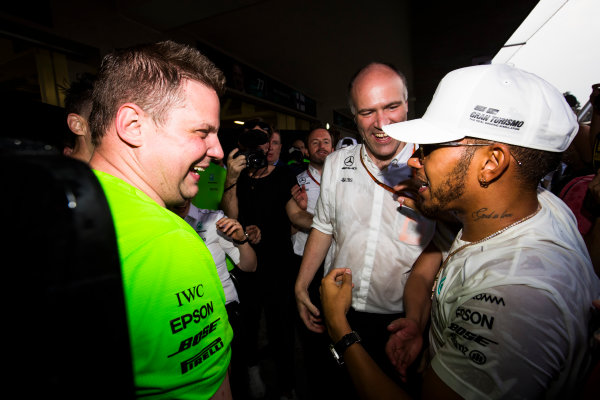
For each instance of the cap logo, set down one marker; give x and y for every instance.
(487, 115)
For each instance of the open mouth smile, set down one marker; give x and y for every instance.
(198, 170)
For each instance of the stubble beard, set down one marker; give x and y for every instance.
(453, 188)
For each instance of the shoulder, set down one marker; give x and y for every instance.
(339, 156)
(208, 215)
(346, 157)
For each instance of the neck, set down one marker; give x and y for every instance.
(127, 171)
(382, 163)
(318, 167)
(488, 217)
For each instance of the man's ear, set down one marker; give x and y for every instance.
(76, 124)
(495, 163)
(128, 124)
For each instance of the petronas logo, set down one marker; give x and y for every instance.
(441, 285)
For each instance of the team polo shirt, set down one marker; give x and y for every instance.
(379, 242)
(510, 315)
(311, 179)
(220, 246)
(179, 331)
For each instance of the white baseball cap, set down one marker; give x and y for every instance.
(494, 102)
(345, 142)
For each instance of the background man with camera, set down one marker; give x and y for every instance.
(256, 194)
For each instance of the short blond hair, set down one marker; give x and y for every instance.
(150, 76)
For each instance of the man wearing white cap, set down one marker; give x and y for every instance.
(511, 305)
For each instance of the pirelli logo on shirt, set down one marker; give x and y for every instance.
(199, 358)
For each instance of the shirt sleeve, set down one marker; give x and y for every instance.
(324, 210)
(507, 340)
(229, 248)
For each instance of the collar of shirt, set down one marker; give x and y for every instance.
(315, 173)
(395, 169)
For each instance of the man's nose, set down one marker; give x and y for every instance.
(381, 119)
(215, 151)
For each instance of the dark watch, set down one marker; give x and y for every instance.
(239, 242)
(340, 347)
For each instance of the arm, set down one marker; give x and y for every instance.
(233, 229)
(296, 209)
(224, 391)
(315, 251)
(229, 201)
(370, 381)
(406, 339)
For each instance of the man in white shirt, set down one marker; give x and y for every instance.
(511, 306)
(358, 211)
(301, 208)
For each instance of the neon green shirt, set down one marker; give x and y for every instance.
(179, 331)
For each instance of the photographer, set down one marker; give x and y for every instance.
(256, 194)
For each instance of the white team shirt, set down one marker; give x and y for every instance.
(204, 223)
(311, 179)
(509, 316)
(379, 243)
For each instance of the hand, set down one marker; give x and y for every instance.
(404, 344)
(235, 166)
(336, 298)
(300, 196)
(254, 235)
(408, 194)
(309, 314)
(232, 228)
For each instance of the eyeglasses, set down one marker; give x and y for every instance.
(426, 149)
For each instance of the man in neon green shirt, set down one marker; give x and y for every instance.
(154, 122)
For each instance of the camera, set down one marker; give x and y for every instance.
(254, 158)
(249, 142)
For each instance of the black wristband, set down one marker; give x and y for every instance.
(340, 347)
(229, 187)
(240, 242)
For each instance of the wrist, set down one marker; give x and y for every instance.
(228, 187)
(300, 288)
(338, 329)
(339, 348)
(243, 241)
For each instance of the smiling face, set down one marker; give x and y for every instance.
(319, 146)
(442, 176)
(378, 95)
(180, 148)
